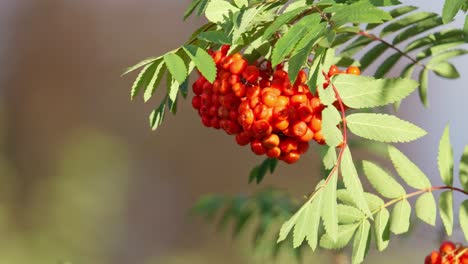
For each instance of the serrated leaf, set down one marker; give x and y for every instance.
(444, 69)
(383, 127)
(345, 233)
(142, 79)
(191, 8)
(445, 158)
(352, 182)
(356, 46)
(140, 64)
(358, 12)
(203, 61)
(172, 88)
(465, 29)
(330, 158)
(218, 37)
(244, 22)
(286, 44)
(241, 3)
(405, 22)
(280, 21)
(157, 116)
(346, 197)
(426, 209)
(424, 83)
(372, 55)
(301, 52)
(308, 222)
(176, 66)
(463, 217)
(216, 10)
(329, 212)
(382, 229)
(408, 171)
(323, 59)
(446, 36)
(361, 243)
(330, 119)
(446, 210)
(349, 214)
(259, 172)
(451, 8)
(385, 2)
(418, 28)
(400, 217)
(464, 169)
(289, 225)
(448, 55)
(155, 81)
(385, 67)
(365, 92)
(385, 184)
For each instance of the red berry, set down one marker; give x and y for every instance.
(353, 70)
(333, 71)
(251, 74)
(271, 141)
(299, 129)
(447, 247)
(196, 102)
(291, 157)
(274, 152)
(238, 66)
(257, 147)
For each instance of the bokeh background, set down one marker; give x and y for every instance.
(84, 180)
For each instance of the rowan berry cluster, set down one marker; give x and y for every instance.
(448, 253)
(261, 106)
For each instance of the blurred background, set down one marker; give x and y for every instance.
(84, 180)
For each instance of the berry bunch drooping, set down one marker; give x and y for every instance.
(260, 106)
(448, 253)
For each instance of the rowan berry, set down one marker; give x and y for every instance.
(316, 123)
(257, 147)
(238, 66)
(243, 138)
(353, 70)
(251, 73)
(333, 71)
(269, 98)
(291, 157)
(447, 247)
(308, 136)
(196, 102)
(287, 145)
(273, 152)
(271, 141)
(299, 129)
(261, 129)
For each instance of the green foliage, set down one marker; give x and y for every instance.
(409, 172)
(383, 127)
(426, 208)
(463, 217)
(451, 8)
(445, 158)
(385, 184)
(446, 210)
(400, 217)
(259, 172)
(365, 92)
(464, 169)
(203, 61)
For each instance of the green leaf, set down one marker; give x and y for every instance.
(323, 59)
(288, 41)
(424, 83)
(244, 22)
(365, 92)
(356, 46)
(464, 169)
(216, 10)
(361, 242)
(142, 79)
(451, 8)
(446, 210)
(280, 21)
(444, 69)
(139, 65)
(448, 55)
(330, 119)
(426, 208)
(176, 66)
(358, 12)
(352, 182)
(400, 218)
(463, 217)
(302, 51)
(329, 212)
(349, 214)
(382, 229)
(241, 3)
(409, 172)
(445, 158)
(307, 223)
(155, 81)
(345, 233)
(346, 197)
(382, 181)
(172, 88)
(259, 172)
(406, 21)
(157, 115)
(218, 37)
(313, 219)
(372, 55)
(446, 36)
(385, 2)
(418, 28)
(385, 67)
(203, 61)
(330, 158)
(383, 127)
(465, 29)
(191, 8)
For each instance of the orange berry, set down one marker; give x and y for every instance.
(316, 123)
(287, 145)
(271, 141)
(269, 98)
(435, 258)
(291, 157)
(257, 147)
(243, 138)
(237, 57)
(238, 66)
(253, 91)
(246, 117)
(261, 111)
(353, 70)
(308, 136)
(281, 125)
(447, 247)
(261, 129)
(239, 89)
(301, 77)
(282, 100)
(280, 74)
(298, 99)
(217, 56)
(318, 137)
(333, 71)
(251, 74)
(299, 129)
(226, 62)
(273, 152)
(233, 79)
(304, 113)
(316, 104)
